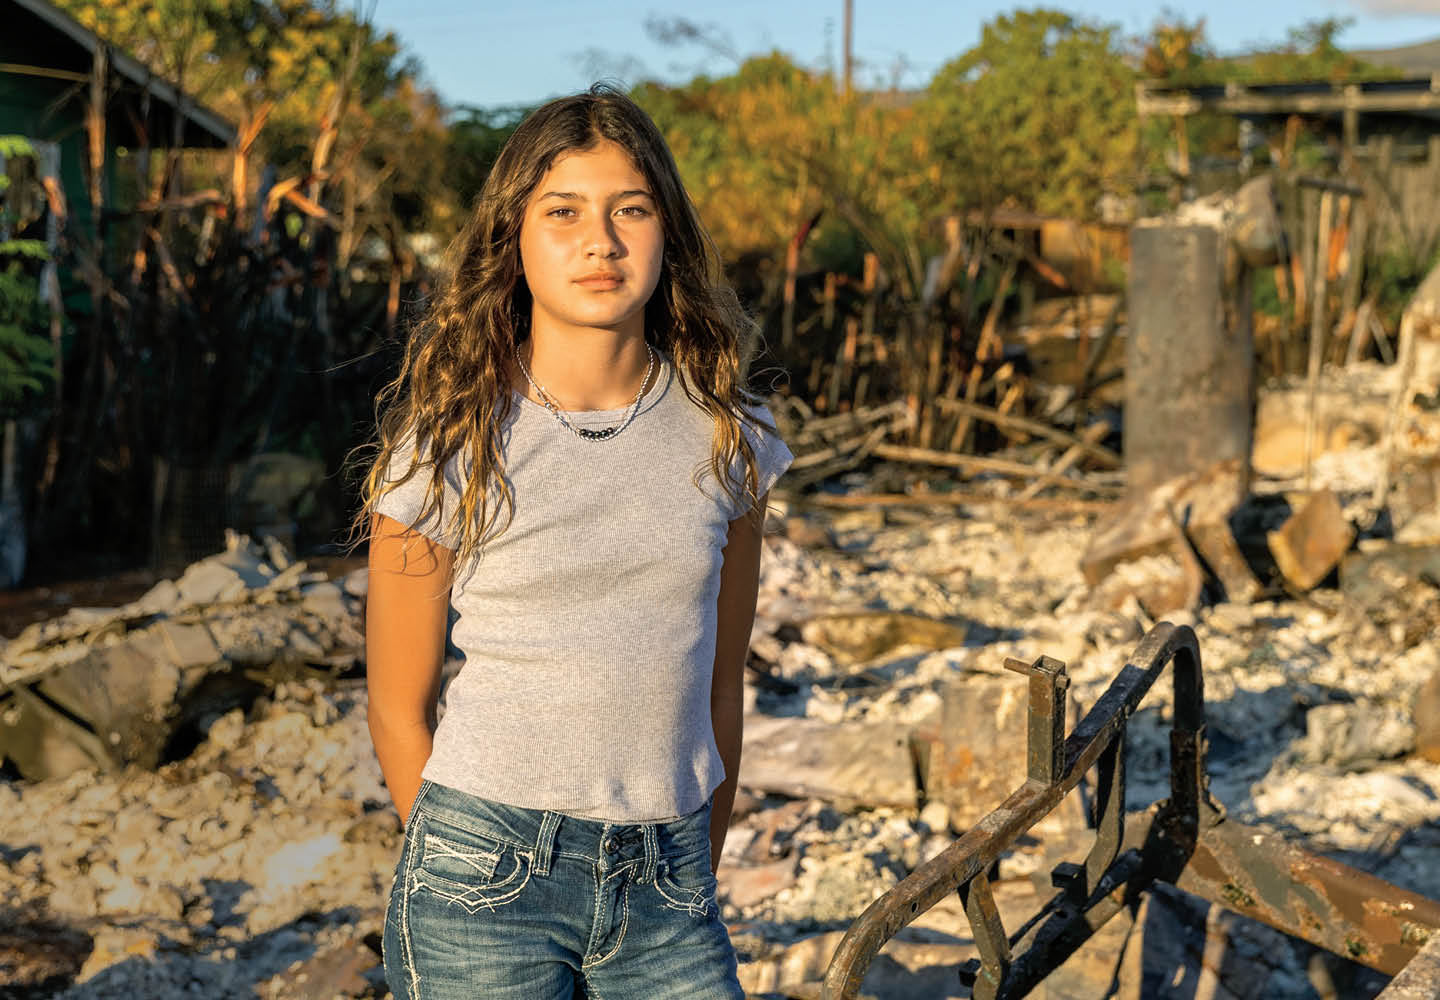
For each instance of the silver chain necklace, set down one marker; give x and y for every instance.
(585, 433)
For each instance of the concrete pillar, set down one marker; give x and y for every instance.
(1189, 365)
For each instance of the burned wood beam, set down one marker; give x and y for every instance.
(957, 498)
(1006, 420)
(952, 460)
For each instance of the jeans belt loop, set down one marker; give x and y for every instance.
(545, 844)
(652, 854)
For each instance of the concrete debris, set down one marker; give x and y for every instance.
(256, 859)
(1377, 577)
(1346, 735)
(1311, 543)
(112, 687)
(864, 762)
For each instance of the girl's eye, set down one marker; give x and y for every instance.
(560, 212)
(635, 211)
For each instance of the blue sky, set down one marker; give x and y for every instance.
(490, 53)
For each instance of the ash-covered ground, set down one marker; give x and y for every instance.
(259, 864)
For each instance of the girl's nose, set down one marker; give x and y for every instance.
(601, 240)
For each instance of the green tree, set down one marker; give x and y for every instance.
(1040, 114)
(342, 108)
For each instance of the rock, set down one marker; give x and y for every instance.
(325, 600)
(1144, 543)
(1254, 222)
(124, 692)
(1310, 544)
(1373, 579)
(808, 534)
(805, 961)
(188, 645)
(337, 972)
(1427, 719)
(1346, 735)
(855, 638)
(745, 885)
(855, 762)
(1414, 499)
(160, 599)
(935, 816)
(356, 583)
(117, 944)
(207, 582)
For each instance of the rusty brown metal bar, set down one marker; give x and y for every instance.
(1185, 840)
(1349, 912)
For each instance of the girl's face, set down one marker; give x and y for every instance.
(591, 242)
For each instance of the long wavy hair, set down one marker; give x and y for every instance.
(452, 395)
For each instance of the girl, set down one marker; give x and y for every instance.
(568, 460)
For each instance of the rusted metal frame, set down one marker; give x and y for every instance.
(1343, 910)
(978, 849)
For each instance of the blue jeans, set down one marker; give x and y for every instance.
(505, 903)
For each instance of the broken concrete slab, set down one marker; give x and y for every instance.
(1147, 544)
(854, 762)
(1311, 543)
(746, 885)
(108, 687)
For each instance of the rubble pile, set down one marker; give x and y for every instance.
(107, 687)
(880, 723)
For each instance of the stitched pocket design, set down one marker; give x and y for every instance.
(695, 901)
(470, 871)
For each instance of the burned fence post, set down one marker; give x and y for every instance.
(1189, 373)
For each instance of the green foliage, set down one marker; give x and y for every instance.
(1040, 115)
(25, 355)
(1266, 294)
(773, 145)
(476, 136)
(15, 145)
(1394, 275)
(293, 62)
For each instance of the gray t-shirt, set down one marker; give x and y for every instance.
(588, 625)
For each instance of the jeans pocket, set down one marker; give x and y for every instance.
(687, 883)
(465, 868)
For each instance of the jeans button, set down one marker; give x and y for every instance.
(611, 845)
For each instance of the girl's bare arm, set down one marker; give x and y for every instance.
(739, 585)
(405, 619)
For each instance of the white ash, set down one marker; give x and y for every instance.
(275, 840)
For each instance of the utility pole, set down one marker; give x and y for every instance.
(849, 37)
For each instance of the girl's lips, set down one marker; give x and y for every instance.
(599, 281)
